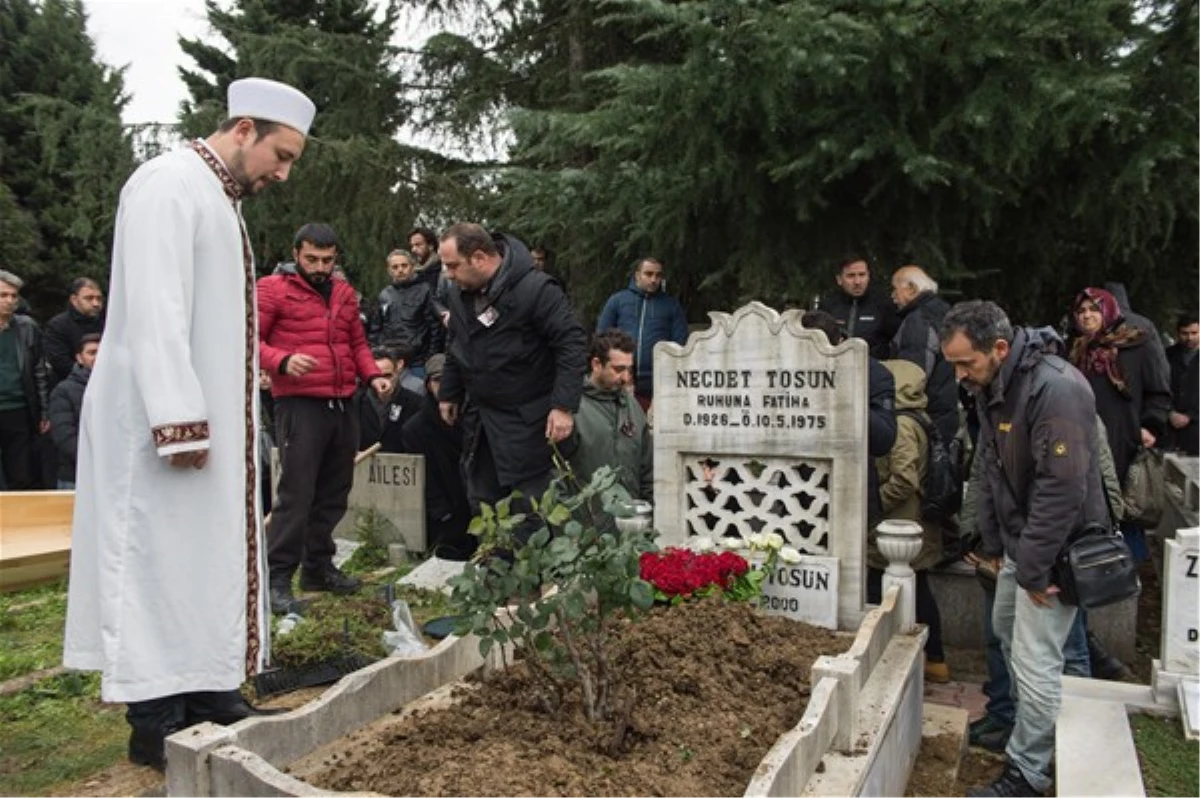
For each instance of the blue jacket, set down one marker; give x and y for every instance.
(649, 318)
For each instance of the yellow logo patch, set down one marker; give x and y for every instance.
(1005, 426)
(1060, 449)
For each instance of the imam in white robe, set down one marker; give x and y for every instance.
(167, 588)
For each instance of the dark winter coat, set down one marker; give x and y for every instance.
(1041, 474)
(294, 318)
(919, 341)
(531, 358)
(35, 372)
(649, 318)
(66, 406)
(871, 317)
(384, 423)
(447, 512)
(407, 314)
(1184, 397)
(1147, 379)
(62, 336)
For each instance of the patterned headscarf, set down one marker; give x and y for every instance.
(1096, 353)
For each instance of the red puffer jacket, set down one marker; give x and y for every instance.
(293, 318)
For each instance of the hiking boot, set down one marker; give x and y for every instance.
(937, 672)
(328, 579)
(1011, 784)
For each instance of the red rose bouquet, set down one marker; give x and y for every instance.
(677, 574)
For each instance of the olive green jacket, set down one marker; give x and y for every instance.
(610, 429)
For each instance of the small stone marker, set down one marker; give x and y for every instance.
(393, 485)
(1181, 603)
(806, 591)
(433, 574)
(761, 426)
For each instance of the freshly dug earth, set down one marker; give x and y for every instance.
(715, 683)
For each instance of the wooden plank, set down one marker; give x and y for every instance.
(35, 537)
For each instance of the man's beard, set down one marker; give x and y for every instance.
(312, 278)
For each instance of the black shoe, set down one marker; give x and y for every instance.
(987, 726)
(328, 579)
(1011, 784)
(223, 707)
(148, 746)
(283, 600)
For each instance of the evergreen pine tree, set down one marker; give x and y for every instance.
(354, 174)
(63, 151)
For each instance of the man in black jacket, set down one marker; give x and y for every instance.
(24, 388)
(84, 316)
(861, 311)
(66, 406)
(381, 419)
(921, 312)
(1040, 482)
(1182, 356)
(516, 358)
(447, 511)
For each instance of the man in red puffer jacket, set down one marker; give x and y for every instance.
(311, 340)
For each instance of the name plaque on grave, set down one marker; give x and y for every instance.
(1181, 603)
(760, 426)
(806, 591)
(392, 485)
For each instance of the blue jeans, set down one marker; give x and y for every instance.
(1135, 538)
(1077, 660)
(1032, 638)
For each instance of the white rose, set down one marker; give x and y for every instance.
(703, 543)
(774, 540)
(733, 544)
(789, 555)
(757, 541)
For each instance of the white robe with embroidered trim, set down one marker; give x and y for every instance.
(159, 567)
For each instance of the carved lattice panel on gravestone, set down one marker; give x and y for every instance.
(739, 495)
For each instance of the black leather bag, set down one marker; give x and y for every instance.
(1096, 569)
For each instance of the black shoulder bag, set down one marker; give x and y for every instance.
(1095, 567)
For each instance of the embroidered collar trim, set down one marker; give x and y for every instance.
(233, 189)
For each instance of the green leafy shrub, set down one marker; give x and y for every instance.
(557, 597)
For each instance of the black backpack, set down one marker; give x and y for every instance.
(942, 489)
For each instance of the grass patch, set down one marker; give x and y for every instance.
(58, 731)
(31, 629)
(1170, 763)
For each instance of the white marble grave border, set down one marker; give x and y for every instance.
(862, 724)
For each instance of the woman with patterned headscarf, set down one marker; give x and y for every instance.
(1129, 377)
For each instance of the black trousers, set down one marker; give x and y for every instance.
(318, 439)
(17, 436)
(484, 486)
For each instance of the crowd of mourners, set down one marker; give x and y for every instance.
(342, 374)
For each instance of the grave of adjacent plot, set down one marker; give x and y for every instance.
(392, 486)
(1180, 649)
(761, 426)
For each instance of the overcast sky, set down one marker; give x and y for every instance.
(144, 34)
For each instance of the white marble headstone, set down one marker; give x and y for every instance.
(761, 426)
(1181, 603)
